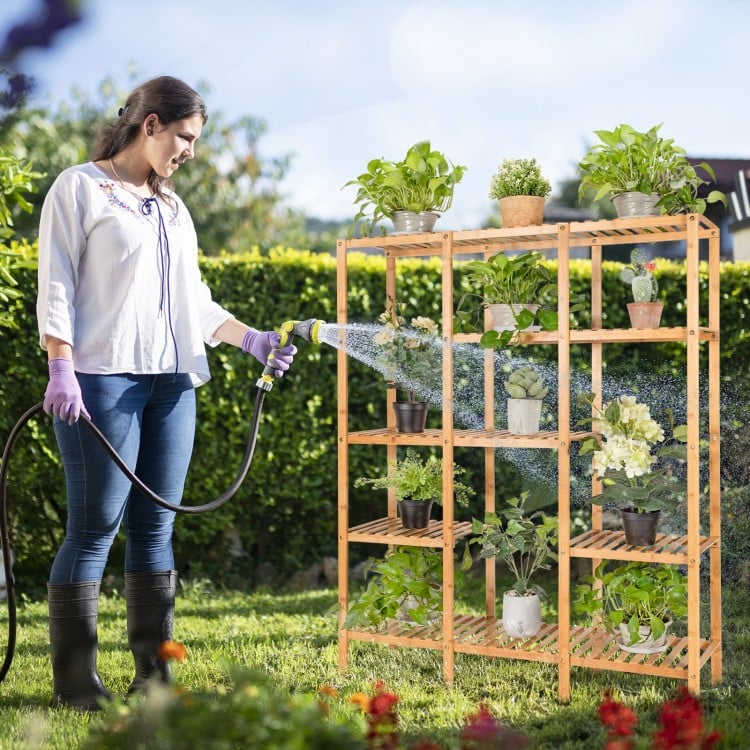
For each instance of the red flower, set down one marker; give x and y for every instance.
(620, 722)
(682, 725)
(382, 720)
(483, 731)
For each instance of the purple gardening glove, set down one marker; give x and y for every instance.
(263, 345)
(63, 395)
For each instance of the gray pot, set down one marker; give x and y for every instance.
(631, 205)
(411, 223)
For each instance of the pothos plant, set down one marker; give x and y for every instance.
(407, 581)
(634, 594)
(424, 180)
(520, 279)
(628, 160)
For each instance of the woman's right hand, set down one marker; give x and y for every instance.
(63, 395)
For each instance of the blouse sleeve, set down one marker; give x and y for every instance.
(61, 243)
(210, 313)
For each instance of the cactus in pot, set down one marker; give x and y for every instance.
(526, 389)
(644, 310)
(640, 277)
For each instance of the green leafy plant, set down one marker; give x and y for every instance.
(168, 717)
(639, 275)
(415, 478)
(520, 279)
(635, 594)
(409, 357)
(406, 583)
(525, 382)
(523, 540)
(16, 181)
(519, 177)
(627, 160)
(633, 459)
(424, 180)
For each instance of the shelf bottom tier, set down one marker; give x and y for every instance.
(592, 648)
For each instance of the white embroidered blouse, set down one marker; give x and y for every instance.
(126, 295)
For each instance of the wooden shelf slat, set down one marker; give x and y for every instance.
(593, 648)
(390, 531)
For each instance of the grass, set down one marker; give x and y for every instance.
(292, 638)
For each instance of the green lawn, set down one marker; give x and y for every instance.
(292, 639)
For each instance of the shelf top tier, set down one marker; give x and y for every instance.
(545, 236)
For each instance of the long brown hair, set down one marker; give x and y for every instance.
(169, 98)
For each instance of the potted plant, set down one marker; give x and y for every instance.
(644, 311)
(636, 462)
(524, 541)
(418, 484)
(638, 599)
(516, 289)
(410, 359)
(628, 164)
(520, 189)
(421, 184)
(525, 388)
(406, 585)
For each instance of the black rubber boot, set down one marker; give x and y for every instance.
(150, 607)
(73, 611)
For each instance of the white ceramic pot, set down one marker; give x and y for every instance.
(524, 415)
(504, 316)
(522, 615)
(646, 643)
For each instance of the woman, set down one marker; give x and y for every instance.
(124, 318)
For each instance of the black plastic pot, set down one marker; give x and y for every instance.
(411, 416)
(415, 514)
(640, 528)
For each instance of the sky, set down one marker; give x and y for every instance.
(341, 82)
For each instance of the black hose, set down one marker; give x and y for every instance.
(189, 509)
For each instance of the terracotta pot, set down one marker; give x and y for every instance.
(631, 205)
(522, 210)
(640, 528)
(415, 514)
(410, 416)
(522, 615)
(645, 314)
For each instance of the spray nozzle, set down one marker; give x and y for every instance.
(308, 329)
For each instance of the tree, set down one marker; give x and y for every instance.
(232, 192)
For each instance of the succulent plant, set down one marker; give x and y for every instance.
(639, 276)
(525, 382)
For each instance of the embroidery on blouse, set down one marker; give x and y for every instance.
(114, 200)
(109, 190)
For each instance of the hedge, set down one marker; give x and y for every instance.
(284, 516)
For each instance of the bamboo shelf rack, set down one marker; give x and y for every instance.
(558, 643)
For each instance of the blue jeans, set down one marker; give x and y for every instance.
(150, 421)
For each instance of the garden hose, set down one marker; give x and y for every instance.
(306, 329)
(188, 509)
